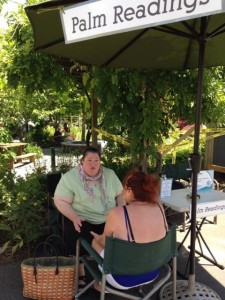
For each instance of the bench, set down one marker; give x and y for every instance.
(19, 158)
(30, 156)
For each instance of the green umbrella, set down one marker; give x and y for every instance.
(162, 34)
(170, 46)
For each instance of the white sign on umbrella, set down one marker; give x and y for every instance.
(100, 18)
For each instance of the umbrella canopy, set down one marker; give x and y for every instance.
(187, 41)
(170, 46)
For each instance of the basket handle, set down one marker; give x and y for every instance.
(56, 236)
(34, 264)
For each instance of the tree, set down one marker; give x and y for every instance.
(145, 105)
(138, 105)
(40, 85)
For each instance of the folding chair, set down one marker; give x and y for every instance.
(126, 258)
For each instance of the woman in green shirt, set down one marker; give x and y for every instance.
(85, 195)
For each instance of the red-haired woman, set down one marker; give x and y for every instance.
(147, 219)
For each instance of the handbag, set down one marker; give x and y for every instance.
(48, 277)
(58, 244)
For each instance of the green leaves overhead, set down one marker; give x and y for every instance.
(37, 86)
(143, 106)
(138, 105)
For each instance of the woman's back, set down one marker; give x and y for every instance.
(146, 219)
(147, 222)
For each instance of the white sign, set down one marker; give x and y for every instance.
(213, 208)
(166, 187)
(92, 19)
(205, 180)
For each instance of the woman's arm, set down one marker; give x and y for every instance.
(98, 242)
(63, 204)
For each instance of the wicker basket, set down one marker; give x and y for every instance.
(48, 277)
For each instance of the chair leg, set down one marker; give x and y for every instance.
(84, 289)
(103, 287)
(140, 290)
(174, 278)
(184, 222)
(159, 284)
(77, 266)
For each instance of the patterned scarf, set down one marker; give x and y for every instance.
(88, 187)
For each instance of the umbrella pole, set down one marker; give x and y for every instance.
(196, 158)
(191, 289)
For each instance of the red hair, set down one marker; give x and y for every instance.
(145, 188)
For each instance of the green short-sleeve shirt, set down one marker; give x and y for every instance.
(70, 185)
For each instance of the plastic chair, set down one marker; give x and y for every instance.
(123, 257)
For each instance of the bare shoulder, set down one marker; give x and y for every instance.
(161, 205)
(113, 221)
(115, 212)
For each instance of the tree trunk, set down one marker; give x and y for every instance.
(83, 126)
(158, 169)
(144, 163)
(94, 121)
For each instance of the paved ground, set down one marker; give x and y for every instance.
(22, 170)
(206, 272)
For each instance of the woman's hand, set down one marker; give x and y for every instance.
(77, 222)
(96, 236)
(98, 241)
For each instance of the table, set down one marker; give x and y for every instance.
(14, 145)
(76, 146)
(178, 202)
(19, 155)
(178, 199)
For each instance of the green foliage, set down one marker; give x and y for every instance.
(5, 136)
(75, 133)
(33, 86)
(183, 151)
(40, 136)
(33, 148)
(134, 101)
(214, 97)
(6, 155)
(115, 158)
(144, 105)
(2, 2)
(74, 130)
(50, 130)
(23, 208)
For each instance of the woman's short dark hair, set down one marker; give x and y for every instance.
(91, 150)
